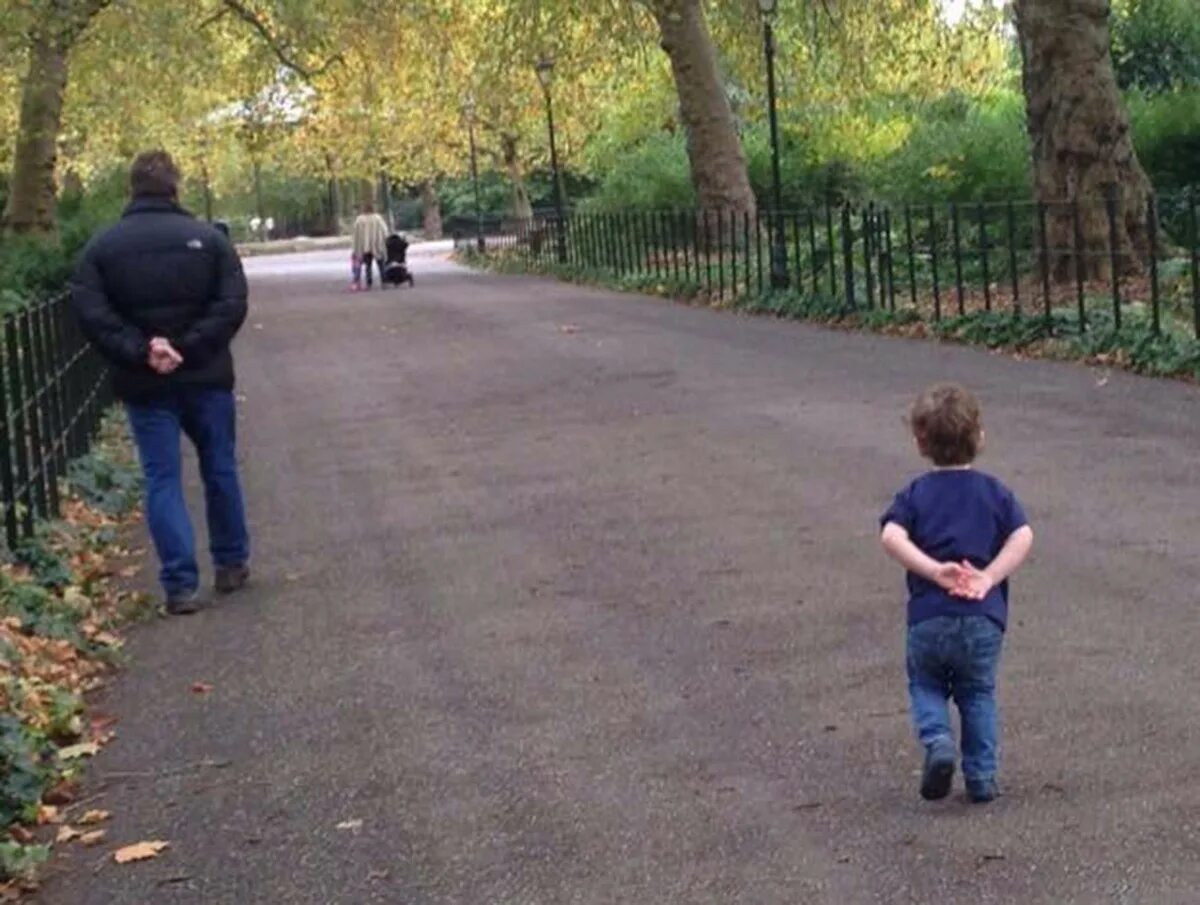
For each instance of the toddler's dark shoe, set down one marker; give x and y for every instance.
(981, 791)
(939, 771)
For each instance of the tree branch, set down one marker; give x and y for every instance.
(282, 53)
(216, 17)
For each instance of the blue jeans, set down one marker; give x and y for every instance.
(209, 419)
(957, 657)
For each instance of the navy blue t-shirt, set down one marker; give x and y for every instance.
(952, 515)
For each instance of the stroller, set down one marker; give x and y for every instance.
(395, 267)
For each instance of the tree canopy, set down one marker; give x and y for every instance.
(346, 91)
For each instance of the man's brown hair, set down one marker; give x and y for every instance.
(155, 175)
(948, 425)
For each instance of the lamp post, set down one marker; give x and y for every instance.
(779, 262)
(545, 71)
(470, 109)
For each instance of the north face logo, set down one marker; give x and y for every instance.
(195, 245)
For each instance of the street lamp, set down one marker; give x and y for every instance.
(545, 71)
(779, 263)
(470, 110)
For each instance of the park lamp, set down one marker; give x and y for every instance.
(545, 70)
(768, 8)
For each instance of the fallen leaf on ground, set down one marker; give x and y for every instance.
(67, 834)
(95, 837)
(350, 825)
(91, 818)
(568, 328)
(201, 687)
(48, 813)
(20, 834)
(62, 793)
(139, 851)
(74, 597)
(74, 752)
(129, 572)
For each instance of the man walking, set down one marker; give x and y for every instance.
(162, 295)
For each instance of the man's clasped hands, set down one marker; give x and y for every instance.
(163, 358)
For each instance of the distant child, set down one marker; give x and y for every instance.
(960, 534)
(355, 272)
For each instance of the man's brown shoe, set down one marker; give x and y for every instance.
(184, 603)
(231, 578)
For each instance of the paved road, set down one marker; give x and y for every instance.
(565, 596)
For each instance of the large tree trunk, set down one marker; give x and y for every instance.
(522, 207)
(431, 211)
(31, 199)
(1081, 142)
(718, 161)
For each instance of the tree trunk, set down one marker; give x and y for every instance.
(365, 189)
(31, 199)
(208, 195)
(431, 211)
(385, 198)
(335, 196)
(718, 161)
(259, 210)
(1080, 138)
(522, 207)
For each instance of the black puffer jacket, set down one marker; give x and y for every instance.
(161, 272)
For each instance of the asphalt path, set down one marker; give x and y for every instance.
(565, 596)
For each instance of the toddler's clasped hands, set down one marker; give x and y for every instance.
(964, 580)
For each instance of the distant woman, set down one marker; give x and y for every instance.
(370, 237)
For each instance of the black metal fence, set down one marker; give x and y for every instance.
(53, 393)
(1078, 265)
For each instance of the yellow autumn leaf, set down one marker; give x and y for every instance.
(67, 834)
(75, 752)
(140, 851)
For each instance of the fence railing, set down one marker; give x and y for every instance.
(53, 393)
(1079, 265)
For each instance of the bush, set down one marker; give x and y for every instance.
(960, 150)
(1156, 44)
(1166, 132)
(654, 175)
(32, 267)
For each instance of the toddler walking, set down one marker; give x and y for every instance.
(960, 534)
